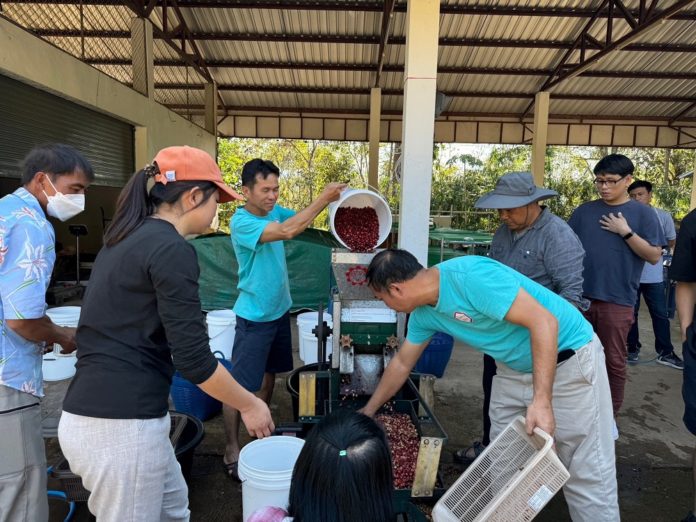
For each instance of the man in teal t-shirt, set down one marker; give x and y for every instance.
(550, 363)
(262, 343)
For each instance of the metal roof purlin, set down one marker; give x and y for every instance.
(638, 28)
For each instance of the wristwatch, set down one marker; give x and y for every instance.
(627, 236)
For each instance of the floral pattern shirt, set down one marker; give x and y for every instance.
(27, 256)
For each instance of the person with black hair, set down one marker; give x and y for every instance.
(654, 287)
(54, 180)
(550, 363)
(619, 236)
(262, 343)
(683, 271)
(343, 474)
(142, 320)
(536, 243)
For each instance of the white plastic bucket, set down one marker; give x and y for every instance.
(265, 468)
(361, 198)
(57, 366)
(221, 325)
(306, 322)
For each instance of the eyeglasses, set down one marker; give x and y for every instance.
(607, 182)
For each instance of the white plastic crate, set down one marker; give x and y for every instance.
(510, 481)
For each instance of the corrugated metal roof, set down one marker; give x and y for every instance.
(494, 55)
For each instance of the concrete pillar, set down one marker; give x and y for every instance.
(422, 31)
(541, 125)
(693, 186)
(143, 61)
(143, 154)
(373, 135)
(211, 99)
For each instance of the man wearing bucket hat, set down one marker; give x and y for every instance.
(262, 343)
(537, 244)
(53, 184)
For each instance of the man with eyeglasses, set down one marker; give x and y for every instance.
(619, 236)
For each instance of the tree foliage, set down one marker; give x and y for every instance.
(459, 178)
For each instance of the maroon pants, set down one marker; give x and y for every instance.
(612, 323)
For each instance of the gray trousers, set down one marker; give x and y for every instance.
(128, 465)
(22, 458)
(584, 419)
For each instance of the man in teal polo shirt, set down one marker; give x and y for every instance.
(550, 363)
(262, 344)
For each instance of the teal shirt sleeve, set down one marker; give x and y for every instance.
(284, 213)
(418, 332)
(247, 229)
(489, 289)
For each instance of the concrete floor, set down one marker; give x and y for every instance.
(653, 451)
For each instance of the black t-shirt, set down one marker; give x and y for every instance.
(683, 266)
(684, 260)
(141, 318)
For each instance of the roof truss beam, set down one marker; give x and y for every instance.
(584, 63)
(399, 92)
(387, 16)
(591, 43)
(369, 67)
(193, 59)
(180, 38)
(376, 7)
(566, 69)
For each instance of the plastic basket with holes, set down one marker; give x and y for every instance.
(509, 482)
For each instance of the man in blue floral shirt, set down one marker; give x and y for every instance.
(54, 180)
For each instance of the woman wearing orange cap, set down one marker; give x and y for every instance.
(141, 320)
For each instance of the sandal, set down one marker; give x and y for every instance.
(470, 454)
(231, 470)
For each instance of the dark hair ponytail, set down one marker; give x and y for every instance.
(135, 202)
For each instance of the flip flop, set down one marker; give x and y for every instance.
(470, 454)
(231, 470)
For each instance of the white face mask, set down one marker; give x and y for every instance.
(64, 206)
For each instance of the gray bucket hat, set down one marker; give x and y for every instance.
(514, 190)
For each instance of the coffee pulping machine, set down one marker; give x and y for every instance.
(366, 335)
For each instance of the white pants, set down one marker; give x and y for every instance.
(128, 465)
(584, 420)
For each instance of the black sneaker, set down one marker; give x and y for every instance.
(671, 359)
(633, 357)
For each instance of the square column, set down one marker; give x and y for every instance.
(143, 61)
(422, 31)
(373, 135)
(539, 140)
(211, 105)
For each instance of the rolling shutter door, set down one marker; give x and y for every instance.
(30, 116)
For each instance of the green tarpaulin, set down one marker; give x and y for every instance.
(309, 265)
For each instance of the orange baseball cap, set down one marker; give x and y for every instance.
(184, 163)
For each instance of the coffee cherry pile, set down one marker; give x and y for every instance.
(404, 443)
(358, 228)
